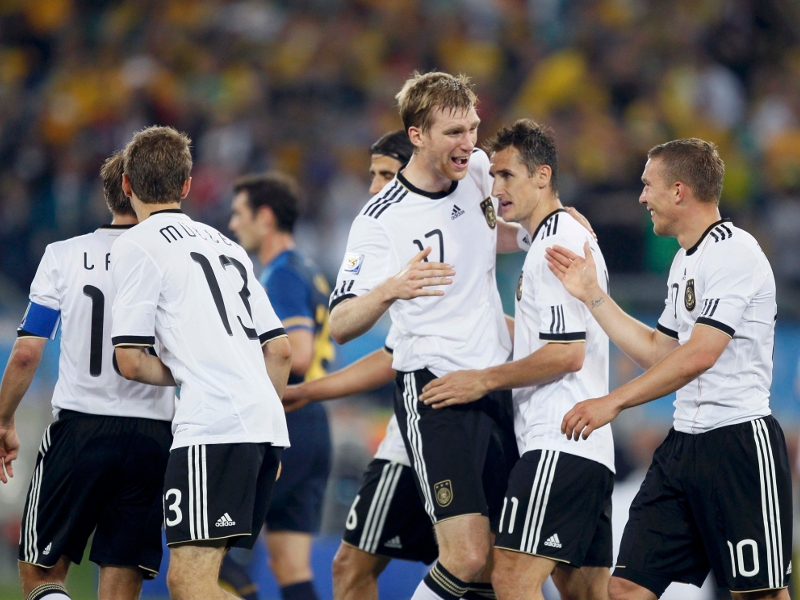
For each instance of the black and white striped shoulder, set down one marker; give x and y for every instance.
(549, 226)
(719, 231)
(389, 196)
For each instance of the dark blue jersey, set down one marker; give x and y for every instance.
(298, 291)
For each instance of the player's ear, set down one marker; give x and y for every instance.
(265, 216)
(126, 185)
(680, 190)
(544, 173)
(187, 185)
(415, 135)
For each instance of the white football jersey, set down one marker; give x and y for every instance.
(724, 281)
(73, 285)
(392, 447)
(547, 313)
(465, 328)
(191, 288)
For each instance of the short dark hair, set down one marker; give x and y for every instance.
(157, 162)
(111, 176)
(694, 162)
(276, 190)
(535, 143)
(394, 144)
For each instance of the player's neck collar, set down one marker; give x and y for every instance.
(694, 248)
(432, 195)
(167, 210)
(539, 226)
(113, 226)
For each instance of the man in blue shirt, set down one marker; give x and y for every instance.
(265, 208)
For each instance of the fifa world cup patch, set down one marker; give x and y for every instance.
(352, 262)
(443, 492)
(488, 211)
(689, 299)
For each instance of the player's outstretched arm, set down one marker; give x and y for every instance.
(355, 316)
(546, 364)
(278, 358)
(674, 371)
(136, 364)
(643, 344)
(22, 364)
(364, 375)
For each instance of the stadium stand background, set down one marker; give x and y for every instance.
(306, 86)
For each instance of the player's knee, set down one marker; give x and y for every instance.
(31, 576)
(344, 568)
(502, 572)
(178, 584)
(621, 589)
(466, 562)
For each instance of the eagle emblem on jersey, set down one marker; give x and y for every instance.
(443, 492)
(519, 287)
(488, 212)
(689, 299)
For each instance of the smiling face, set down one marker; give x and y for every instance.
(659, 196)
(447, 146)
(382, 169)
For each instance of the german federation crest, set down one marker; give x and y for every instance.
(488, 212)
(443, 492)
(689, 299)
(519, 287)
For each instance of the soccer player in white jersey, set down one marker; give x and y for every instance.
(101, 464)
(188, 286)
(718, 493)
(439, 208)
(558, 504)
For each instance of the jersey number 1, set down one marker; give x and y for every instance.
(216, 293)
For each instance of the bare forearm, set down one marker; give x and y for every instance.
(16, 380)
(543, 366)
(137, 364)
(356, 316)
(510, 326)
(364, 375)
(507, 237)
(633, 337)
(278, 360)
(676, 370)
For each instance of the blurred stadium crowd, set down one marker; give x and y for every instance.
(306, 85)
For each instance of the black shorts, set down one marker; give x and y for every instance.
(718, 500)
(296, 503)
(387, 517)
(558, 505)
(219, 491)
(102, 474)
(447, 447)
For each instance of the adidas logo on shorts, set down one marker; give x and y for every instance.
(225, 521)
(394, 543)
(457, 212)
(553, 541)
(47, 549)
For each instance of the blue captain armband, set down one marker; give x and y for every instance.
(39, 321)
